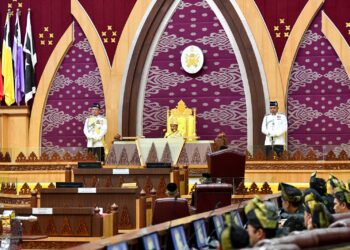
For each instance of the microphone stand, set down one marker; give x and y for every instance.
(273, 147)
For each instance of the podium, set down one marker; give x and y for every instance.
(227, 165)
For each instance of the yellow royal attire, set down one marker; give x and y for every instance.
(176, 134)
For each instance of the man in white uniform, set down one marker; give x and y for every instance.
(274, 126)
(95, 129)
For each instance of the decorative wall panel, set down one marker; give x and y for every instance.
(216, 91)
(318, 97)
(76, 86)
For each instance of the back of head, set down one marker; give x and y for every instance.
(206, 179)
(291, 194)
(262, 215)
(234, 237)
(319, 184)
(320, 216)
(171, 189)
(294, 223)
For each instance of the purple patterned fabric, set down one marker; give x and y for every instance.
(318, 97)
(216, 91)
(76, 86)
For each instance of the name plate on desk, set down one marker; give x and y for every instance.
(120, 171)
(42, 210)
(86, 190)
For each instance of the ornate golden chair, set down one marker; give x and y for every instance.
(185, 118)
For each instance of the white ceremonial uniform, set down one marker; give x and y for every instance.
(95, 129)
(274, 127)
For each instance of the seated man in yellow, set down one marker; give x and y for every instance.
(174, 132)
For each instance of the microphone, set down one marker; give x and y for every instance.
(169, 134)
(240, 203)
(216, 206)
(209, 215)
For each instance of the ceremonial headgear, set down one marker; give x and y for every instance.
(171, 188)
(273, 104)
(310, 200)
(173, 120)
(335, 182)
(234, 237)
(96, 105)
(342, 195)
(318, 184)
(261, 215)
(290, 193)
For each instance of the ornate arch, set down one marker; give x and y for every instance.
(142, 47)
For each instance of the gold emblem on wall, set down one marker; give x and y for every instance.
(347, 26)
(13, 5)
(109, 35)
(46, 37)
(282, 29)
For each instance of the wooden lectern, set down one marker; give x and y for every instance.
(228, 165)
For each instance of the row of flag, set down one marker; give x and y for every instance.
(18, 64)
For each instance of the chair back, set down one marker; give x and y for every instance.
(228, 165)
(185, 118)
(166, 209)
(211, 196)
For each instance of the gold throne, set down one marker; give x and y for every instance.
(186, 120)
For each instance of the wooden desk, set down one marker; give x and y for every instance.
(61, 222)
(145, 178)
(125, 198)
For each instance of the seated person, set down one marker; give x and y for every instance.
(341, 200)
(262, 220)
(234, 237)
(316, 214)
(220, 142)
(174, 133)
(320, 186)
(292, 213)
(205, 179)
(171, 190)
(292, 200)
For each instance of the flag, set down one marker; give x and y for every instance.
(7, 67)
(1, 86)
(30, 61)
(17, 53)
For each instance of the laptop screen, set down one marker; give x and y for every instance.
(151, 242)
(201, 233)
(179, 238)
(219, 225)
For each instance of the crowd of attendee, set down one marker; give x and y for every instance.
(301, 210)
